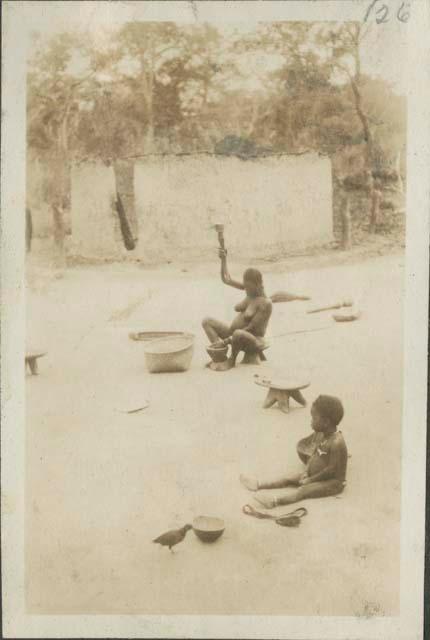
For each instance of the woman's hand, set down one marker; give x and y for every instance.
(304, 479)
(222, 254)
(218, 343)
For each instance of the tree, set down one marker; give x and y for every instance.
(149, 52)
(173, 75)
(54, 92)
(287, 92)
(342, 43)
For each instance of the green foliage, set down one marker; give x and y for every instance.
(166, 87)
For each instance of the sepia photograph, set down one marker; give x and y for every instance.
(214, 233)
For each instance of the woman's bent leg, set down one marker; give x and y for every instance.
(243, 341)
(215, 330)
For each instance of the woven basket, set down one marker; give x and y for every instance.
(170, 354)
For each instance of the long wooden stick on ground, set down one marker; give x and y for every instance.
(290, 333)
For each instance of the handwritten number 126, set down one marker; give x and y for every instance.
(382, 12)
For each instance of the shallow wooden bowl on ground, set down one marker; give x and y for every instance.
(147, 336)
(208, 529)
(346, 316)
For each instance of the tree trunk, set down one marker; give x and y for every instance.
(367, 135)
(59, 226)
(148, 77)
(149, 133)
(59, 234)
(363, 118)
(59, 171)
(346, 225)
(374, 212)
(28, 229)
(289, 133)
(253, 120)
(355, 80)
(399, 173)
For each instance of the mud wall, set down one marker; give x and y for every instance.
(37, 197)
(95, 226)
(268, 205)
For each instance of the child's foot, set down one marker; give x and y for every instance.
(266, 502)
(249, 483)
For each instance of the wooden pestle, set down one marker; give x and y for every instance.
(220, 230)
(338, 305)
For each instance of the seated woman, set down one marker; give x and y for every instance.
(246, 332)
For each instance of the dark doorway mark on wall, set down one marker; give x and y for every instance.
(127, 236)
(28, 229)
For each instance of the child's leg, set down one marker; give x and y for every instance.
(321, 489)
(288, 496)
(306, 492)
(286, 481)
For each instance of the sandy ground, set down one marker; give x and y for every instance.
(102, 484)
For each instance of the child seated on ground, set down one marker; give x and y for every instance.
(324, 453)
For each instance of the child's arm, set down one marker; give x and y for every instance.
(335, 470)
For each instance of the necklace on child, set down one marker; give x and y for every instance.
(327, 438)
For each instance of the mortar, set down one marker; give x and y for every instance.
(217, 354)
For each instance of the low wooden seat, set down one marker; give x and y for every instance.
(31, 361)
(255, 357)
(250, 357)
(281, 390)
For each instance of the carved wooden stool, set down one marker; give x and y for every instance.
(281, 390)
(255, 357)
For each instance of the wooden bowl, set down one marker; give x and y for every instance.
(208, 529)
(346, 316)
(147, 336)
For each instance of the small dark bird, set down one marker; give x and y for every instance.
(173, 537)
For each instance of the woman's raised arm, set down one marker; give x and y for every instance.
(225, 276)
